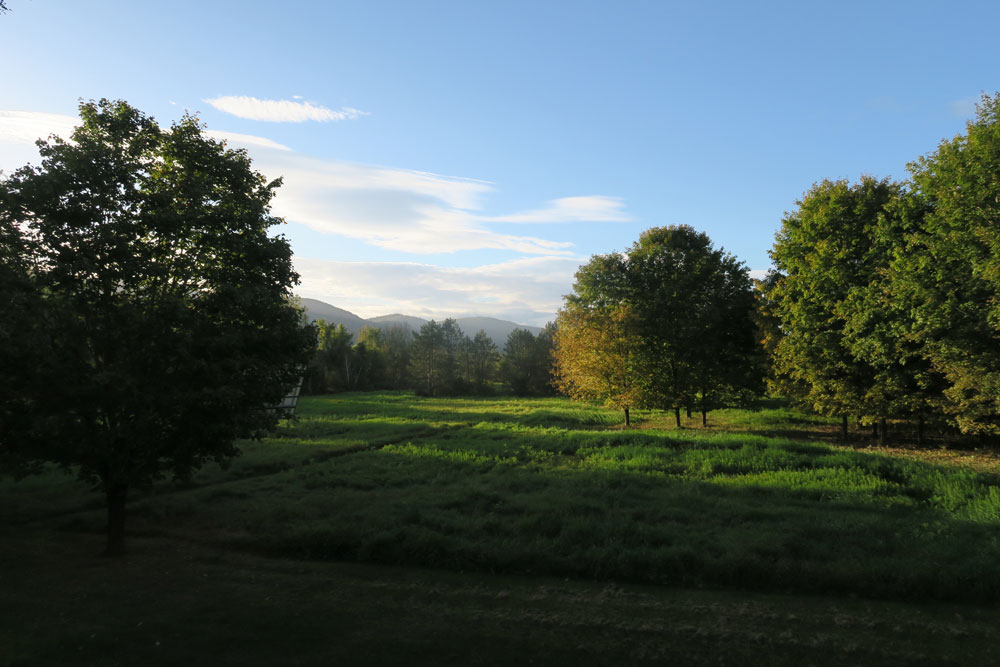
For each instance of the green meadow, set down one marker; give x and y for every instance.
(468, 530)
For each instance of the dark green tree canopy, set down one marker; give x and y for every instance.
(148, 313)
(527, 362)
(695, 303)
(949, 272)
(831, 254)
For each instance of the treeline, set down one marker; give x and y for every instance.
(438, 360)
(885, 302)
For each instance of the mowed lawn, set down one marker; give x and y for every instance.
(381, 525)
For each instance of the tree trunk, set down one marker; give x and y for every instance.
(883, 432)
(920, 430)
(688, 408)
(116, 495)
(627, 422)
(677, 416)
(843, 428)
(704, 417)
(874, 430)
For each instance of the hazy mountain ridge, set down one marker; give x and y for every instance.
(495, 328)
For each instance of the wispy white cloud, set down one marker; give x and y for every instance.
(399, 209)
(593, 208)
(26, 127)
(281, 111)
(527, 291)
(19, 130)
(246, 140)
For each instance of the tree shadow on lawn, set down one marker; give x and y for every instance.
(58, 493)
(420, 506)
(444, 504)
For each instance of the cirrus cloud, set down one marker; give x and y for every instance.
(281, 111)
(591, 208)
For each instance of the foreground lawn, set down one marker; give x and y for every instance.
(171, 602)
(527, 524)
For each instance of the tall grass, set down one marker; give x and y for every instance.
(550, 486)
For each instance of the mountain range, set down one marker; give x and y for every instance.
(496, 329)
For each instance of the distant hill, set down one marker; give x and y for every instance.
(409, 321)
(495, 328)
(318, 310)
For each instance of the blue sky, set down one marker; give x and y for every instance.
(453, 158)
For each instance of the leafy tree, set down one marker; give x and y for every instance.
(696, 307)
(148, 319)
(598, 356)
(678, 315)
(844, 342)
(770, 334)
(949, 273)
(527, 362)
(333, 365)
(818, 252)
(369, 358)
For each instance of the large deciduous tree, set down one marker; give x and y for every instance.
(949, 274)
(844, 341)
(695, 304)
(667, 324)
(148, 320)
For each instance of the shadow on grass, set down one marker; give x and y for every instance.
(388, 478)
(474, 509)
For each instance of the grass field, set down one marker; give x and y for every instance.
(463, 531)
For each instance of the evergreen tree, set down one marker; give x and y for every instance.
(527, 362)
(485, 361)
